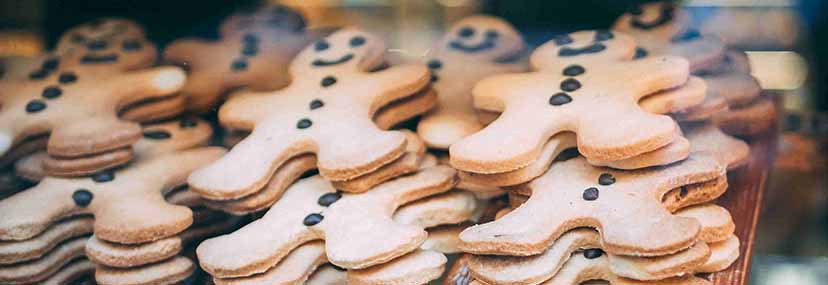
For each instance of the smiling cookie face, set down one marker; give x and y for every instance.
(347, 49)
(661, 20)
(104, 29)
(277, 17)
(583, 47)
(108, 43)
(483, 36)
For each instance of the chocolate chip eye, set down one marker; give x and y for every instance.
(492, 34)
(97, 45)
(131, 45)
(357, 41)
(601, 36)
(562, 40)
(466, 32)
(321, 45)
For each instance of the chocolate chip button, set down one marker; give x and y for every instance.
(434, 78)
(312, 219)
(574, 70)
(328, 81)
(466, 32)
(51, 92)
(559, 99)
(590, 194)
(35, 106)
(250, 39)
(250, 50)
(187, 123)
(640, 52)
(97, 45)
(435, 64)
(316, 104)
(329, 198)
(304, 124)
(103, 176)
(239, 65)
(67, 78)
(570, 85)
(50, 64)
(82, 197)
(39, 74)
(492, 34)
(131, 45)
(606, 179)
(157, 135)
(321, 45)
(593, 253)
(357, 41)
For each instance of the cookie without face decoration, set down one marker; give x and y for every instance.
(380, 240)
(471, 50)
(548, 214)
(327, 131)
(128, 209)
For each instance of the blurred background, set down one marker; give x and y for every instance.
(785, 40)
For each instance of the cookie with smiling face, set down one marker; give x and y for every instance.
(473, 48)
(661, 28)
(107, 44)
(254, 52)
(330, 102)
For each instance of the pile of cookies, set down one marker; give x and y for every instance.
(596, 156)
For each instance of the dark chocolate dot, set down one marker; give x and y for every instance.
(97, 45)
(103, 176)
(603, 35)
(434, 78)
(435, 64)
(562, 40)
(312, 219)
(39, 74)
(82, 197)
(316, 104)
(559, 99)
(35, 106)
(304, 124)
(593, 253)
(570, 84)
(606, 179)
(465, 32)
(357, 41)
(67, 78)
(51, 92)
(50, 64)
(187, 123)
(321, 45)
(250, 39)
(329, 198)
(131, 45)
(683, 192)
(239, 65)
(574, 70)
(328, 81)
(590, 194)
(640, 52)
(250, 50)
(568, 154)
(157, 135)
(492, 34)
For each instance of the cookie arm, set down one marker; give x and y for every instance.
(94, 134)
(147, 84)
(341, 157)
(136, 218)
(30, 212)
(394, 83)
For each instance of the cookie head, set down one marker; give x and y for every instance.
(346, 49)
(583, 46)
(483, 36)
(272, 17)
(659, 19)
(104, 29)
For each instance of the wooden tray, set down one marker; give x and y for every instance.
(744, 200)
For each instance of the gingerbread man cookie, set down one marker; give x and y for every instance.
(254, 52)
(330, 101)
(79, 107)
(128, 205)
(661, 28)
(473, 48)
(312, 209)
(600, 198)
(106, 44)
(531, 115)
